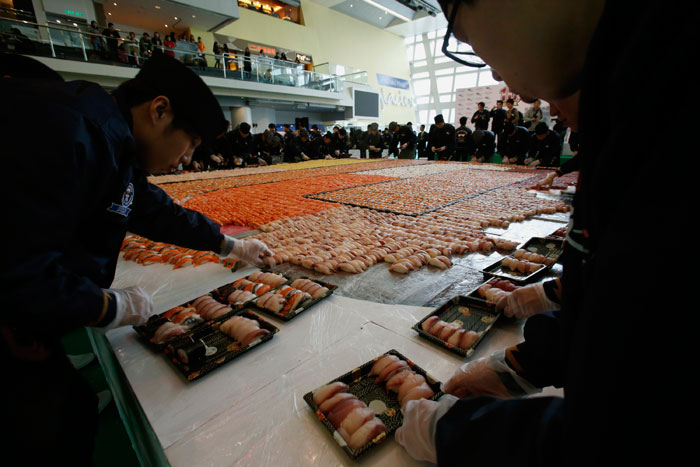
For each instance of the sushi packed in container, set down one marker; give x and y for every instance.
(361, 408)
(290, 299)
(218, 343)
(458, 325)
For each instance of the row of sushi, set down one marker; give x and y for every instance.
(146, 252)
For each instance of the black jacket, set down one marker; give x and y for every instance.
(498, 120)
(515, 145)
(480, 119)
(439, 137)
(84, 192)
(592, 348)
(548, 150)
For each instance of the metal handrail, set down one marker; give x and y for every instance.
(273, 69)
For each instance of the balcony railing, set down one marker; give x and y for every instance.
(71, 43)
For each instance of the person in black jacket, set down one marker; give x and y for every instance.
(88, 187)
(545, 147)
(326, 147)
(243, 149)
(514, 144)
(441, 139)
(404, 142)
(290, 143)
(422, 141)
(484, 145)
(596, 49)
(498, 119)
(481, 117)
(464, 143)
(341, 145)
(309, 148)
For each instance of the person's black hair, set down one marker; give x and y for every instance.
(342, 132)
(328, 135)
(20, 66)
(510, 101)
(244, 128)
(304, 134)
(409, 124)
(314, 127)
(541, 128)
(462, 121)
(499, 100)
(286, 125)
(272, 125)
(110, 24)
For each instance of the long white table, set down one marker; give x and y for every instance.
(251, 411)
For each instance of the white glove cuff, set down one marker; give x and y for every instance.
(516, 385)
(548, 305)
(229, 243)
(120, 310)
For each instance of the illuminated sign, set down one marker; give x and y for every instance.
(74, 13)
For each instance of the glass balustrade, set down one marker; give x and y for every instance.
(71, 43)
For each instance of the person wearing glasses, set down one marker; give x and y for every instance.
(621, 394)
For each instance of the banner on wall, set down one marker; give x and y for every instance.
(466, 101)
(390, 81)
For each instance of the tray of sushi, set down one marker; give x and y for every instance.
(363, 407)
(527, 262)
(459, 325)
(246, 289)
(182, 320)
(219, 342)
(290, 299)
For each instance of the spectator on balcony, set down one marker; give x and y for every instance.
(247, 64)
(96, 40)
(145, 45)
(217, 52)
(112, 38)
(169, 44)
(226, 53)
(157, 42)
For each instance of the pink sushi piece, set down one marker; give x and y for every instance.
(428, 323)
(342, 409)
(422, 391)
(356, 418)
(397, 379)
(366, 433)
(389, 369)
(331, 402)
(328, 391)
(468, 340)
(381, 363)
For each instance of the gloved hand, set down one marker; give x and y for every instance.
(417, 433)
(488, 376)
(547, 180)
(526, 301)
(134, 306)
(249, 250)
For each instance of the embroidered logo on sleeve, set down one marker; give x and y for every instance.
(127, 198)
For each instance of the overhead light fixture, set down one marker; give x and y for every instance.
(166, 25)
(110, 14)
(157, 7)
(176, 18)
(59, 21)
(115, 3)
(391, 12)
(194, 16)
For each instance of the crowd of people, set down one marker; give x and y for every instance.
(522, 140)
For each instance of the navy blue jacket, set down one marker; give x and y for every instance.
(78, 189)
(624, 366)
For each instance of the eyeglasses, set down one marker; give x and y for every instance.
(472, 59)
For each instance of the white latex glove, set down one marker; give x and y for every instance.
(526, 301)
(134, 306)
(488, 376)
(417, 433)
(250, 250)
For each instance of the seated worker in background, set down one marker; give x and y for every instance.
(88, 187)
(290, 143)
(341, 145)
(441, 139)
(271, 143)
(545, 147)
(327, 146)
(243, 147)
(309, 148)
(514, 144)
(612, 410)
(375, 142)
(464, 143)
(484, 145)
